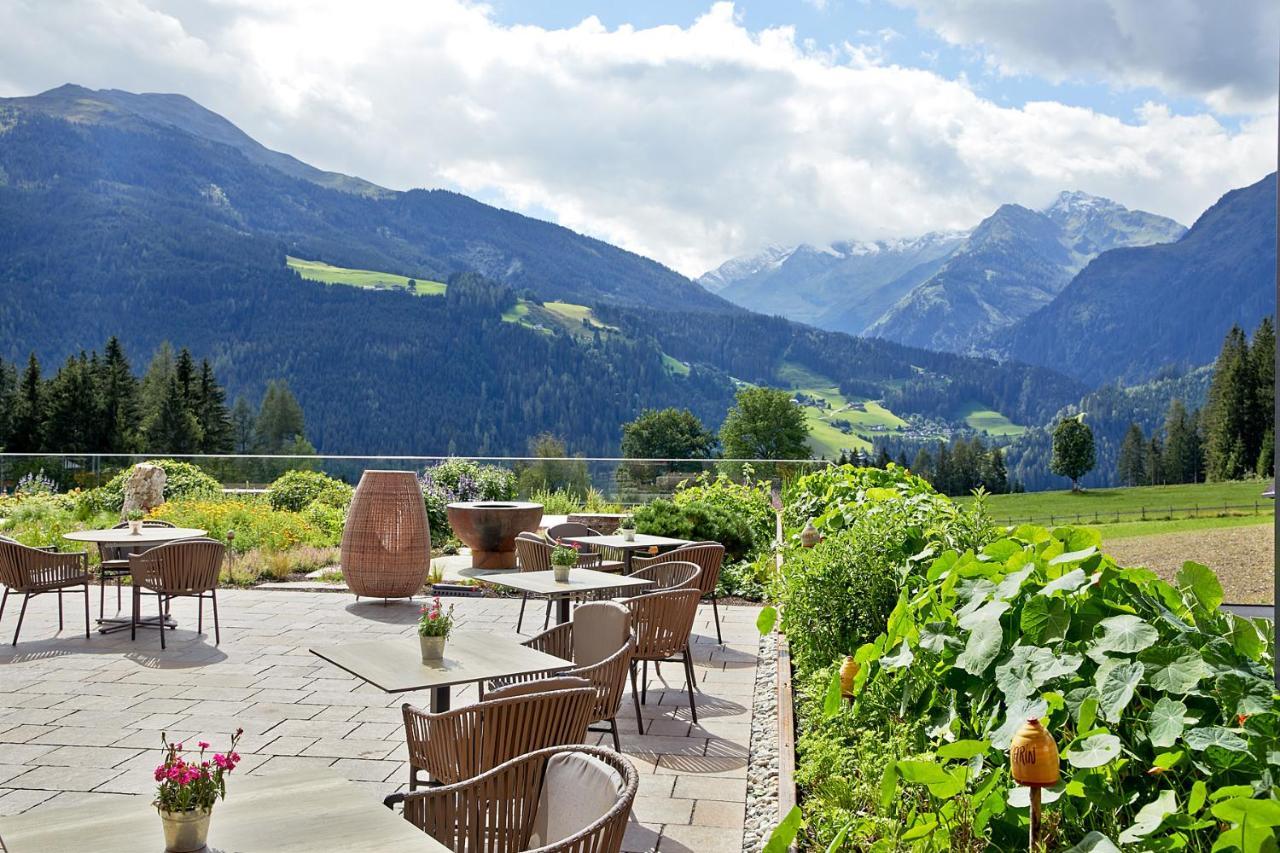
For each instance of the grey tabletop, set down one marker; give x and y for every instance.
(122, 536)
(315, 811)
(642, 542)
(396, 666)
(580, 581)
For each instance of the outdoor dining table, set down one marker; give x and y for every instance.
(580, 582)
(641, 542)
(120, 536)
(396, 665)
(312, 811)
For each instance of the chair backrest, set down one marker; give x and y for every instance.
(573, 528)
(467, 741)
(188, 566)
(116, 551)
(524, 804)
(13, 556)
(670, 575)
(709, 556)
(662, 621)
(533, 553)
(541, 685)
(600, 628)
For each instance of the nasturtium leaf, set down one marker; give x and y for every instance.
(1012, 582)
(1150, 816)
(1087, 713)
(1116, 682)
(981, 648)
(1240, 810)
(989, 612)
(1001, 549)
(1201, 583)
(1125, 635)
(922, 772)
(785, 832)
(767, 619)
(899, 659)
(1074, 556)
(1020, 796)
(1030, 533)
(936, 636)
(1195, 800)
(1045, 619)
(1168, 760)
(1093, 751)
(962, 749)
(1028, 668)
(1206, 736)
(1226, 759)
(1245, 638)
(1228, 791)
(1095, 842)
(1016, 713)
(1174, 671)
(1243, 694)
(1069, 582)
(1078, 538)
(1165, 722)
(941, 565)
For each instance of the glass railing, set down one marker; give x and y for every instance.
(609, 480)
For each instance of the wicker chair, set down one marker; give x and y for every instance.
(115, 563)
(576, 528)
(464, 742)
(708, 555)
(662, 622)
(37, 571)
(573, 799)
(186, 569)
(599, 642)
(670, 575)
(534, 555)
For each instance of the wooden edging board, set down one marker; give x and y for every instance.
(786, 731)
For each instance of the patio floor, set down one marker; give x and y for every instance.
(82, 719)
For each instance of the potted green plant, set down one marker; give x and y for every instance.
(134, 517)
(187, 790)
(627, 527)
(434, 626)
(563, 558)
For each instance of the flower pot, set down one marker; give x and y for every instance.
(560, 573)
(185, 832)
(135, 527)
(628, 534)
(432, 648)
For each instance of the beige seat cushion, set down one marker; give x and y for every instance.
(600, 628)
(539, 685)
(577, 790)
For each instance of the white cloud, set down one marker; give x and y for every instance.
(1225, 52)
(688, 144)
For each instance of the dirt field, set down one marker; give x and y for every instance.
(1242, 556)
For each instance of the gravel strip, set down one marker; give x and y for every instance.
(762, 766)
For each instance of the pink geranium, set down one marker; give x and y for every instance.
(193, 784)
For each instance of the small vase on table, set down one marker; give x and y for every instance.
(434, 625)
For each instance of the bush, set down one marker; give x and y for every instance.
(41, 519)
(834, 497)
(294, 490)
(255, 523)
(461, 480)
(698, 521)
(750, 501)
(182, 481)
(749, 579)
(1163, 705)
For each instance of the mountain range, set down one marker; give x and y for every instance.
(151, 218)
(946, 291)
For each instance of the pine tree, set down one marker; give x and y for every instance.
(185, 372)
(27, 430)
(1262, 373)
(1153, 467)
(1228, 412)
(210, 409)
(1130, 462)
(922, 465)
(943, 471)
(8, 400)
(1266, 466)
(242, 421)
(996, 477)
(121, 408)
(1181, 445)
(173, 429)
(882, 458)
(280, 421)
(72, 409)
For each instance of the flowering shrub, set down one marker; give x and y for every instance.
(35, 484)
(434, 620)
(255, 523)
(182, 480)
(186, 785)
(296, 490)
(461, 480)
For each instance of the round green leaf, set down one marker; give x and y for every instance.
(1094, 751)
(1165, 722)
(1126, 635)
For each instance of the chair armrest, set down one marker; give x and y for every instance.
(589, 558)
(45, 568)
(557, 641)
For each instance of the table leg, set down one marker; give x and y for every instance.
(439, 700)
(562, 610)
(626, 561)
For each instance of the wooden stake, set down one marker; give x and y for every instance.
(1035, 820)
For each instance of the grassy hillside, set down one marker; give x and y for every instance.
(369, 279)
(1099, 506)
(836, 423)
(982, 419)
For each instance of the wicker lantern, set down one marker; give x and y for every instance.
(386, 543)
(809, 536)
(848, 672)
(1033, 762)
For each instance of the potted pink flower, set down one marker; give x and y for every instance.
(563, 558)
(434, 626)
(189, 786)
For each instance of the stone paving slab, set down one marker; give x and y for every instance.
(81, 719)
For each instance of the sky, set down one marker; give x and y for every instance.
(692, 132)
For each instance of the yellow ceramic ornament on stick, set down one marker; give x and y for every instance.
(848, 672)
(1033, 762)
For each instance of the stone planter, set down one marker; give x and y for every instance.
(432, 648)
(560, 573)
(489, 529)
(606, 523)
(185, 832)
(386, 542)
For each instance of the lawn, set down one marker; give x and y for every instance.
(867, 418)
(368, 279)
(1131, 529)
(988, 421)
(1137, 504)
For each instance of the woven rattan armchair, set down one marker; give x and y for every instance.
(566, 529)
(599, 643)
(464, 742)
(39, 571)
(115, 562)
(670, 575)
(709, 556)
(661, 623)
(533, 554)
(186, 569)
(574, 799)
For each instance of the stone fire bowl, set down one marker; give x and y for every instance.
(489, 529)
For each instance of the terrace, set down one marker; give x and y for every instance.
(862, 620)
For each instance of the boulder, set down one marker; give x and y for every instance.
(144, 487)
